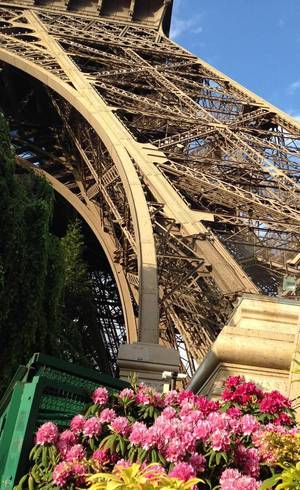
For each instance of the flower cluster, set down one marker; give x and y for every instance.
(228, 443)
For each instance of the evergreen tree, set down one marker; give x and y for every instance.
(80, 335)
(31, 259)
(46, 297)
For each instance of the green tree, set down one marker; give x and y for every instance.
(80, 334)
(31, 265)
(47, 302)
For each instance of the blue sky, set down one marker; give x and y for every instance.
(255, 42)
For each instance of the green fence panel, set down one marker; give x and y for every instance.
(45, 389)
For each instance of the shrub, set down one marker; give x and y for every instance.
(232, 444)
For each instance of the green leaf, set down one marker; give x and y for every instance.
(269, 483)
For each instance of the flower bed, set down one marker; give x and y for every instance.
(233, 444)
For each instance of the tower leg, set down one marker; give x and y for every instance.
(148, 361)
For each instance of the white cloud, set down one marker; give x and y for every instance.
(182, 26)
(293, 87)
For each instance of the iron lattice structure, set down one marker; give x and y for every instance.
(189, 181)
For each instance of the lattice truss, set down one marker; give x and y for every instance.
(218, 166)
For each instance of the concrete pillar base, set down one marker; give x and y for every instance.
(259, 342)
(148, 361)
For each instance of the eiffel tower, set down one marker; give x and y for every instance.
(189, 181)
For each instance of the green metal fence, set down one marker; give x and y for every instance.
(45, 389)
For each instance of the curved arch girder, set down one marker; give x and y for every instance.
(79, 93)
(90, 215)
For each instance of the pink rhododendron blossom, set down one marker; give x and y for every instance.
(121, 426)
(249, 424)
(107, 415)
(274, 402)
(247, 460)
(127, 393)
(138, 433)
(183, 471)
(76, 453)
(148, 396)
(100, 456)
(66, 440)
(171, 398)
(68, 437)
(198, 462)
(100, 396)
(154, 471)
(283, 419)
(232, 479)
(220, 440)
(169, 412)
(203, 430)
(46, 434)
(234, 412)
(80, 472)
(92, 427)
(239, 391)
(123, 463)
(62, 474)
(175, 451)
(77, 424)
(186, 396)
(206, 406)
(219, 420)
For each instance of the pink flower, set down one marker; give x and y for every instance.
(202, 430)
(171, 398)
(67, 439)
(175, 450)
(239, 391)
(138, 432)
(234, 412)
(92, 427)
(47, 434)
(107, 415)
(232, 479)
(121, 426)
(76, 453)
(186, 396)
(283, 419)
(198, 462)
(206, 406)
(169, 413)
(62, 474)
(79, 472)
(148, 396)
(126, 394)
(220, 440)
(183, 471)
(77, 424)
(274, 402)
(123, 463)
(248, 460)
(100, 456)
(249, 424)
(155, 471)
(100, 396)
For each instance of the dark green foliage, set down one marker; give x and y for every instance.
(31, 265)
(80, 335)
(46, 299)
